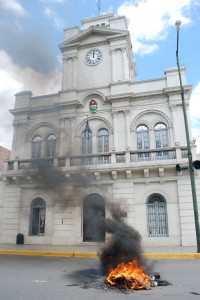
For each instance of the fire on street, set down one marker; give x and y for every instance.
(42, 278)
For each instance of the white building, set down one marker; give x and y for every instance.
(107, 140)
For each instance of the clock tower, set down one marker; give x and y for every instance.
(98, 55)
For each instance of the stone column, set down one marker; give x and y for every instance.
(175, 133)
(74, 70)
(14, 151)
(72, 139)
(64, 77)
(127, 128)
(125, 64)
(113, 67)
(69, 72)
(115, 130)
(61, 145)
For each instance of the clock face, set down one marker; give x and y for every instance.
(93, 57)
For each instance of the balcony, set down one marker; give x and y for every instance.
(111, 160)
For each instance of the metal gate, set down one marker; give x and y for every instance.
(157, 217)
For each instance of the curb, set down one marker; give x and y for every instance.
(48, 253)
(171, 255)
(94, 255)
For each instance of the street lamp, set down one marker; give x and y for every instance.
(191, 170)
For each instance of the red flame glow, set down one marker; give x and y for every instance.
(129, 276)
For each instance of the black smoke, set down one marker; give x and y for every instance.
(51, 176)
(124, 244)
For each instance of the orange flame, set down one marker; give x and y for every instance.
(129, 276)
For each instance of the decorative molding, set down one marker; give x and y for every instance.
(114, 113)
(172, 107)
(161, 172)
(97, 175)
(146, 173)
(135, 120)
(92, 117)
(114, 175)
(93, 94)
(35, 128)
(127, 112)
(129, 174)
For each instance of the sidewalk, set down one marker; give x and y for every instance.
(87, 250)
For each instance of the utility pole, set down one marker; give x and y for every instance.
(191, 170)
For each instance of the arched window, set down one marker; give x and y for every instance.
(51, 145)
(103, 145)
(36, 147)
(142, 132)
(161, 140)
(38, 213)
(157, 224)
(86, 145)
(86, 142)
(161, 135)
(103, 140)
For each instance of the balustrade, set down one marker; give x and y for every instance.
(109, 158)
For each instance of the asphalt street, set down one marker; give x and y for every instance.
(58, 278)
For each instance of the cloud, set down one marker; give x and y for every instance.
(53, 1)
(150, 20)
(195, 102)
(30, 49)
(194, 114)
(57, 21)
(13, 6)
(15, 78)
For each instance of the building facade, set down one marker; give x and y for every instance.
(4, 154)
(104, 140)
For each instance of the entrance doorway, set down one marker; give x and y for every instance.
(38, 212)
(94, 219)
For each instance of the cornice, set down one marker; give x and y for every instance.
(17, 111)
(67, 103)
(120, 97)
(171, 91)
(106, 33)
(32, 110)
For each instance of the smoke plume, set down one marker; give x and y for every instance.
(124, 244)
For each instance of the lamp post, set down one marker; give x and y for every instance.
(192, 177)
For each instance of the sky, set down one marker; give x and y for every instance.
(31, 30)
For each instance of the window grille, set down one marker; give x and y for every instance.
(157, 224)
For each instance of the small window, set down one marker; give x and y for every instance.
(36, 147)
(103, 145)
(142, 137)
(51, 145)
(157, 224)
(161, 136)
(143, 142)
(86, 142)
(38, 213)
(103, 140)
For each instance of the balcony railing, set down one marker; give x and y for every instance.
(93, 159)
(153, 155)
(110, 158)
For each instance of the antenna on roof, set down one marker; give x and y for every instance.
(98, 3)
